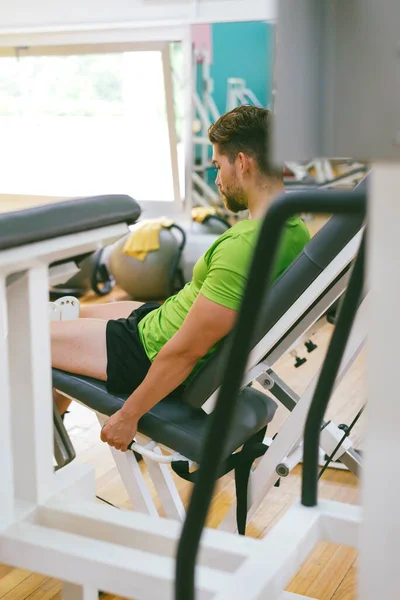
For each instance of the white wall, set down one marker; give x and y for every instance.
(20, 15)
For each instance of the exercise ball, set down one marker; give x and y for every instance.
(158, 276)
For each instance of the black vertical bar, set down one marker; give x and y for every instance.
(254, 296)
(327, 378)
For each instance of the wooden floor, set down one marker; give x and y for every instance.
(330, 571)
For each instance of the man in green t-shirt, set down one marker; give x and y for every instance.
(149, 350)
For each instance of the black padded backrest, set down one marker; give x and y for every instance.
(315, 257)
(62, 218)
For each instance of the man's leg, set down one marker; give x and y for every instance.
(111, 310)
(79, 347)
(63, 347)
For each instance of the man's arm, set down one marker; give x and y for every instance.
(206, 323)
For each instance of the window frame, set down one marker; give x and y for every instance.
(155, 39)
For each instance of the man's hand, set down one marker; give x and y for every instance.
(119, 430)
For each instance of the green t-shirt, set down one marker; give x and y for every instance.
(220, 275)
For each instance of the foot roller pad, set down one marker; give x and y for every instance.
(69, 308)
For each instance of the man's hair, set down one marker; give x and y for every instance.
(246, 129)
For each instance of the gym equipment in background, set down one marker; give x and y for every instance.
(323, 173)
(93, 275)
(158, 276)
(238, 93)
(214, 224)
(298, 175)
(205, 113)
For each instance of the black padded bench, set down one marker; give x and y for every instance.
(172, 422)
(49, 221)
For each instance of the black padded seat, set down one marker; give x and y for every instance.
(63, 218)
(172, 422)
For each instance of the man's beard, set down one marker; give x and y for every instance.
(234, 199)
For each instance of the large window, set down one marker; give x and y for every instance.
(85, 124)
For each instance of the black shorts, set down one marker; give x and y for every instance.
(127, 362)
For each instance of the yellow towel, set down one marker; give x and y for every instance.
(201, 212)
(145, 237)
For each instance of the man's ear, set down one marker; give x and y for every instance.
(244, 162)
